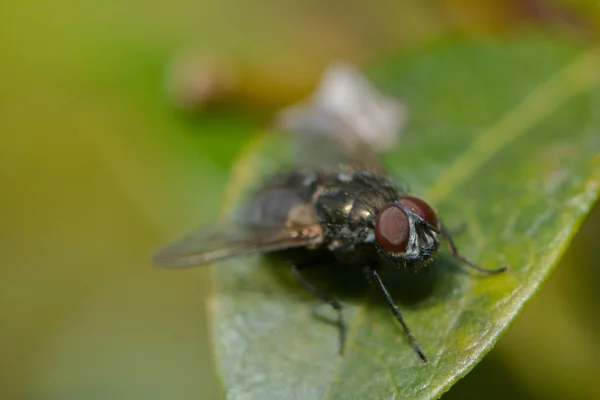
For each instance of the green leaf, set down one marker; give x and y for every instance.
(503, 136)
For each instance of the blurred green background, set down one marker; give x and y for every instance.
(99, 167)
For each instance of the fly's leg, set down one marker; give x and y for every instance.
(459, 257)
(330, 300)
(372, 275)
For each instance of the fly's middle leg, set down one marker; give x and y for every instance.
(330, 300)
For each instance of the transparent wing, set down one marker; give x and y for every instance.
(315, 151)
(346, 121)
(208, 245)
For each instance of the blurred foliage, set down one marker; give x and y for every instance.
(97, 169)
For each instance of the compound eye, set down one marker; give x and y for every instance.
(420, 208)
(392, 229)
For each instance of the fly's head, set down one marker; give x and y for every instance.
(406, 230)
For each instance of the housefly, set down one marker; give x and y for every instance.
(344, 204)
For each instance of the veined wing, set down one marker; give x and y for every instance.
(208, 245)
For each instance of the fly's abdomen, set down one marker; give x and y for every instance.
(284, 202)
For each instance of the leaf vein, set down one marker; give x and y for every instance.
(575, 78)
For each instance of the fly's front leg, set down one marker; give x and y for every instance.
(373, 276)
(330, 300)
(446, 235)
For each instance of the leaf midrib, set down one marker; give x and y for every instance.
(575, 78)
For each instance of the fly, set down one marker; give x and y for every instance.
(347, 207)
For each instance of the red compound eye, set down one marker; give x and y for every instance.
(420, 208)
(392, 229)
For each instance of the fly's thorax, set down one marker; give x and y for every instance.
(347, 203)
(351, 197)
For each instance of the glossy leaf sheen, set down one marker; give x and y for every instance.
(504, 137)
